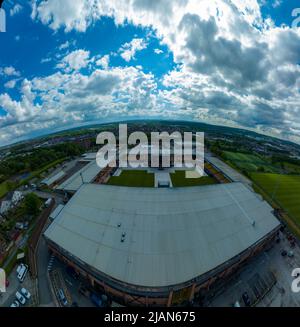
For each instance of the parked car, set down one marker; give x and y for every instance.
(20, 298)
(25, 293)
(15, 304)
(246, 299)
(21, 272)
(62, 297)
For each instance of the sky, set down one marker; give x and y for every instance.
(67, 63)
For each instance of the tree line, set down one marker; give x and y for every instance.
(36, 159)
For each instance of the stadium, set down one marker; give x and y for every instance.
(160, 246)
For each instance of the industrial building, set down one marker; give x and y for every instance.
(160, 246)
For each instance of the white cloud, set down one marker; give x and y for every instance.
(64, 45)
(128, 50)
(15, 10)
(11, 84)
(9, 71)
(103, 62)
(75, 60)
(72, 97)
(72, 14)
(232, 65)
(45, 60)
(277, 3)
(158, 51)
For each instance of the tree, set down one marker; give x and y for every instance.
(11, 185)
(261, 169)
(32, 203)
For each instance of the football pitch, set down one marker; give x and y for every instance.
(134, 178)
(284, 189)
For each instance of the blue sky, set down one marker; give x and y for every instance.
(69, 63)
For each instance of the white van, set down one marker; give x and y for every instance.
(21, 272)
(48, 202)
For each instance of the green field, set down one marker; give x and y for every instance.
(249, 162)
(135, 178)
(3, 189)
(284, 189)
(178, 179)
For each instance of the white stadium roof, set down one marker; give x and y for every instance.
(84, 175)
(172, 234)
(229, 172)
(56, 211)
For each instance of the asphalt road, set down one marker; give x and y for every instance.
(42, 265)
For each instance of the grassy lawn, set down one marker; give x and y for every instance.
(178, 179)
(3, 189)
(135, 178)
(286, 191)
(9, 265)
(249, 162)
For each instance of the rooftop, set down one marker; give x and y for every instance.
(84, 175)
(172, 235)
(229, 172)
(53, 178)
(56, 211)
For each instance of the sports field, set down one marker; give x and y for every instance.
(178, 179)
(135, 178)
(285, 190)
(249, 162)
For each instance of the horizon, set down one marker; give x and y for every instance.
(95, 125)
